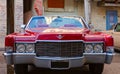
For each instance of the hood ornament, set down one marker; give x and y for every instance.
(59, 36)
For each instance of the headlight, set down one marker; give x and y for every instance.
(30, 48)
(20, 48)
(88, 48)
(98, 48)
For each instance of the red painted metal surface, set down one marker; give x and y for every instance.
(78, 34)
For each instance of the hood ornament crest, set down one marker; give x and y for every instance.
(59, 36)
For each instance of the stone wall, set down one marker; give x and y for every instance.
(18, 14)
(2, 22)
(3, 18)
(99, 15)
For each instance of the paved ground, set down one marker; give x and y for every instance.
(113, 68)
(3, 69)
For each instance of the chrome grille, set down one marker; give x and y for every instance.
(59, 49)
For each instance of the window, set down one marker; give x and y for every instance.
(56, 4)
(118, 27)
(59, 5)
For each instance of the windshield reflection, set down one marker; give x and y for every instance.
(56, 22)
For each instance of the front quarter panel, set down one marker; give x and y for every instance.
(10, 40)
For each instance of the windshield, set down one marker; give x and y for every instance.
(55, 22)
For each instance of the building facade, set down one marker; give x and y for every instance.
(18, 16)
(102, 14)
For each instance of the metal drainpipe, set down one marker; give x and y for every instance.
(87, 11)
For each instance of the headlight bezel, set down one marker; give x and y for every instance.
(88, 48)
(20, 48)
(26, 50)
(29, 47)
(98, 48)
(101, 50)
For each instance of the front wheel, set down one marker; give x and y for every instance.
(21, 68)
(96, 68)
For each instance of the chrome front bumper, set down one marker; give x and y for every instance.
(52, 62)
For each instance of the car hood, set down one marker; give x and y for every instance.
(61, 34)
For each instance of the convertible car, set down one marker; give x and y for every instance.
(59, 43)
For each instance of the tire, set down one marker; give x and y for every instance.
(21, 68)
(96, 68)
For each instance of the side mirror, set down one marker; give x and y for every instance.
(91, 26)
(23, 28)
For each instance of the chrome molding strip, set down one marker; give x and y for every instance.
(62, 41)
(58, 57)
(59, 40)
(19, 54)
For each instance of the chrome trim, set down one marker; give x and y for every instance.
(70, 41)
(59, 58)
(59, 40)
(93, 41)
(62, 41)
(19, 54)
(85, 22)
(17, 58)
(60, 36)
(94, 53)
(24, 54)
(7, 54)
(24, 42)
(46, 63)
(109, 58)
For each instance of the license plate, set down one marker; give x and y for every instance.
(60, 64)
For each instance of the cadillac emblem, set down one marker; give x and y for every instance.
(59, 36)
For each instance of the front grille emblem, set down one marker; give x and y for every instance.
(60, 36)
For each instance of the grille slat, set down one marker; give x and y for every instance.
(59, 49)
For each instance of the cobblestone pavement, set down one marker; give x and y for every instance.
(113, 68)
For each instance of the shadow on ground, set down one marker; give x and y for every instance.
(82, 70)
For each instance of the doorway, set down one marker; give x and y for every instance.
(111, 19)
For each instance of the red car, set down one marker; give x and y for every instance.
(58, 43)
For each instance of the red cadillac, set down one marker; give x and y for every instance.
(58, 43)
